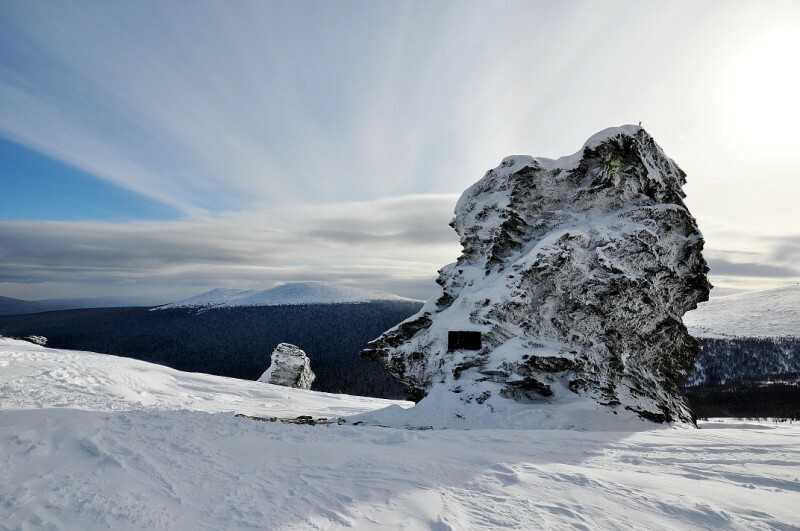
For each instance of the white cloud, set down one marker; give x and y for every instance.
(394, 244)
(382, 244)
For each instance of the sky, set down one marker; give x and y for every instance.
(155, 150)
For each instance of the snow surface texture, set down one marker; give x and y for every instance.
(767, 313)
(287, 294)
(289, 367)
(577, 272)
(89, 441)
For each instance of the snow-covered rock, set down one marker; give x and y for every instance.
(286, 294)
(576, 272)
(36, 340)
(289, 367)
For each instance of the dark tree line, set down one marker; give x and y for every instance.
(762, 397)
(746, 377)
(743, 358)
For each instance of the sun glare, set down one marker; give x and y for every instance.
(764, 92)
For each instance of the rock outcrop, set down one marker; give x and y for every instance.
(36, 340)
(289, 367)
(576, 272)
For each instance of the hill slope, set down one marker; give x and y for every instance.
(10, 306)
(287, 294)
(767, 313)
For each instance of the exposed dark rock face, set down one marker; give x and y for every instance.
(290, 367)
(577, 272)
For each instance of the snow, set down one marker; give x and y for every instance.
(35, 377)
(286, 294)
(516, 162)
(766, 313)
(89, 441)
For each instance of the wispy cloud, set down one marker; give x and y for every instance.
(214, 107)
(395, 244)
(725, 268)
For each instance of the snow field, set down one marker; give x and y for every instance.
(89, 441)
(766, 313)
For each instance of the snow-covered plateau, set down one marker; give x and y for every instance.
(765, 313)
(90, 441)
(286, 294)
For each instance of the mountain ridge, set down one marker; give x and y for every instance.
(284, 295)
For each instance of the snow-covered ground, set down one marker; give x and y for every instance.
(766, 313)
(89, 441)
(286, 294)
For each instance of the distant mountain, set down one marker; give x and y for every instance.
(103, 302)
(9, 306)
(215, 297)
(767, 313)
(285, 295)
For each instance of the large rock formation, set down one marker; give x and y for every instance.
(576, 272)
(289, 367)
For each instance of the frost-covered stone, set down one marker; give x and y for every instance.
(290, 367)
(36, 340)
(577, 273)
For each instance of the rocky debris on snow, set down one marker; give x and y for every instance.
(36, 340)
(307, 420)
(576, 273)
(290, 367)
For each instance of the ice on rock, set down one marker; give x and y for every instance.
(577, 273)
(290, 367)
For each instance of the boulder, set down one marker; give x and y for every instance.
(289, 367)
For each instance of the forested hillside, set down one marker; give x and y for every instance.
(234, 342)
(733, 359)
(746, 377)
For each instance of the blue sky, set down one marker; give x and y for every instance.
(162, 148)
(38, 187)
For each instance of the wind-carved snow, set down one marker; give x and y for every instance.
(576, 272)
(766, 313)
(286, 294)
(89, 441)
